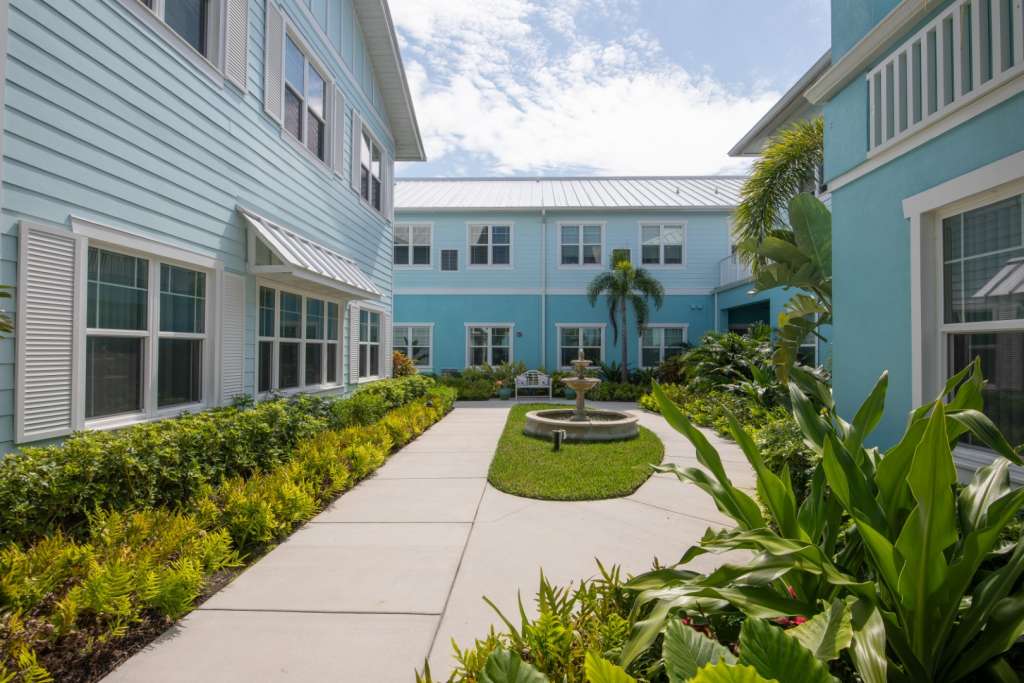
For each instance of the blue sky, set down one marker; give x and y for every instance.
(598, 87)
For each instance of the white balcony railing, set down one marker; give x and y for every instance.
(966, 51)
(731, 269)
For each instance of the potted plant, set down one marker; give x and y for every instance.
(504, 392)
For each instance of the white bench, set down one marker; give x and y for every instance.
(533, 379)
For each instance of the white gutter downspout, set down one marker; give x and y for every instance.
(543, 286)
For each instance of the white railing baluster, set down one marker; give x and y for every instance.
(1018, 31)
(998, 40)
(958, 52)
(872, 116)
(976, 51)
(978, 45)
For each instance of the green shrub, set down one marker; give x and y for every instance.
(616, 391)
(169, 462)
(913, 593)
(571, 621)
(85, 594)
(471, 388)
(402, 365)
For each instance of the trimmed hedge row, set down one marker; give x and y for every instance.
(165, 463)
(75, 601)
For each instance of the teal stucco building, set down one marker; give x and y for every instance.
(924, 157)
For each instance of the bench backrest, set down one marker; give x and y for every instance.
(533, 378)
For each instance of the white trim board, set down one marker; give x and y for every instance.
(937, 127)
(152, 246)
(527, 291)
(984, 185)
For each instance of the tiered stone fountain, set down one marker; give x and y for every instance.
(582, 424)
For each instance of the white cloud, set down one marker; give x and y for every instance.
(516, 87)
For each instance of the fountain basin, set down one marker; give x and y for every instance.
(599, 425)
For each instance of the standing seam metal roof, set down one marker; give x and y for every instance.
(694, 192)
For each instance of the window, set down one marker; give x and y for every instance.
(415, 342)
(581, 245)
(369, 344)
(298, 341)
(662, 244)
(489, 344)
(127, 321)
(412, 245)
(620, 255)
(192, 20)
(659, 343)
(370, 168)
(574, 338)
(304, 87)
(983, 304)
(490, 245)
(449, 260)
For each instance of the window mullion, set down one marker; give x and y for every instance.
(151, 344)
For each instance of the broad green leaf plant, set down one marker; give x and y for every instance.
(800, 258)
(885, 560)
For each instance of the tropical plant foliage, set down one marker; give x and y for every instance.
(75, 595)
(800, 258)
(723, 360)
(626, 287)
(895, 571)
(787, 166)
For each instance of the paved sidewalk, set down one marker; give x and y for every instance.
(397, 567)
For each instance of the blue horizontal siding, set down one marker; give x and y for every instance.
(707, 243)
(104, 120)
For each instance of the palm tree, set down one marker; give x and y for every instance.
(787, 166)
(625, 285)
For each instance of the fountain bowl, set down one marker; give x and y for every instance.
(600, 425)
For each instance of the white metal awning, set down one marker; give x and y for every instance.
(1007, 282)
(281, 254)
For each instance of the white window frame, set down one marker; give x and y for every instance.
(301, 340)
(368, 136)
(430, 246)
(311, 62)
(430, 342)
(370, 310)
(490, 348)
(117, 241)
(490, 245)
(579, 326)
(661, 342)
(928, 333)
(580, 243)
(661, 225)
(211, 65)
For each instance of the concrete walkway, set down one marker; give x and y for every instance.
(397, 567)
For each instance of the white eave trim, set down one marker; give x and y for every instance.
(792, 102)
(387, 63)
(871, 47)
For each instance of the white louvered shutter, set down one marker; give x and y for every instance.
(386, 345)
(236, 42)
(273, 63)
(233, 338)
(46, 327)
(353, 344)
(338, 159)
(357, 147)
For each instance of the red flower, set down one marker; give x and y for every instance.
(799, 620)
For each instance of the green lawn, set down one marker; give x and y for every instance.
(527, 466)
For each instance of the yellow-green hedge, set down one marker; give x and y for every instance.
(142, 569)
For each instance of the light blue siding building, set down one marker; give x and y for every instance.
(924, 155)
(488, 270)
(196, 204)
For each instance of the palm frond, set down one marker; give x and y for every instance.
(648, 285)
(641, 309)
(787, 166)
